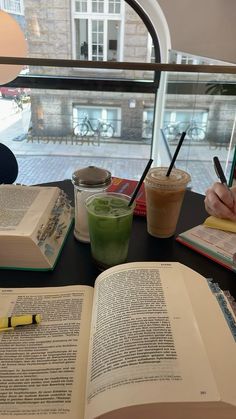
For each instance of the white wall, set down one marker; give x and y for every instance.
(202, 27)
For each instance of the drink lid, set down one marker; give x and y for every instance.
(91, 177)
(157, 177)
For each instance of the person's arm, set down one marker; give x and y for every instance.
(221, 202)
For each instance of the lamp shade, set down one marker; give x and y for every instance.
(12, 44)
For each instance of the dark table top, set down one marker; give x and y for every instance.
(75, 264)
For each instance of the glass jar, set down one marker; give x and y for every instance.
(87, 181)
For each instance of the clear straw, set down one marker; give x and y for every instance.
(176, 153)
(140, 182)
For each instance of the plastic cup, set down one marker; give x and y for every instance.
(164, 197)
(110, 222)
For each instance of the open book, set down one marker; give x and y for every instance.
(149, 341)
(34, 222)
(217, 245)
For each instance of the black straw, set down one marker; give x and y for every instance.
(176, 153)
(140, 182)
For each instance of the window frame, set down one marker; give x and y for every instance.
(12, 10)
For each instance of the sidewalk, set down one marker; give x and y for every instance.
(40, 163)
(59, 161)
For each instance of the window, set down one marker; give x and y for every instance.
(194, 123)
(183, 58)
(98, 29)
(97, 40)
(97, 6)
(112, 100)
(148, 115)
(114, 6)
(92, 115)
(81, 6)
(12, 6)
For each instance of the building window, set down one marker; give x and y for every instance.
(98, 28)
(183, 58)
(147, 129)
(12, 6)
(193, 123)
(97, 6)
(81, 6)
(95, 120)
(97, 40)
(114, 6)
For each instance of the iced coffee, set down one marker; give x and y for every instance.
(164, 197)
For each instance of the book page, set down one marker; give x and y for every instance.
(22, 206)
(43, 367)
(216, 321)
(221, 244)
(145, 344)
(220, 224)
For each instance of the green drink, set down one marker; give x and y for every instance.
(110, 221)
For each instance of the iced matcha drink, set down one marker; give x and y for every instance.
(110, 222)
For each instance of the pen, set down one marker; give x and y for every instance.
(219, 171)
(220, 174)
(8, 323)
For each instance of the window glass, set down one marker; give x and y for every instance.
(147, 130)
(97, 40)
(64, 30)
(106, 46)
(12, 6)
(39, 125)
(203, 106)
(97, 6)
(114, 6)
(81, 39)
(90, 120)
(81, 6)
(193, 122)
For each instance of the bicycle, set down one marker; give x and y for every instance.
(85, 128)
(193, 131)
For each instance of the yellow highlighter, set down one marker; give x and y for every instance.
(8, 323)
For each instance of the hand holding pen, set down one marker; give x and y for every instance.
(221, 176)
(220, 200)
(219, 172)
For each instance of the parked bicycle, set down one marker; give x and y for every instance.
(193, 130)
(102, 129)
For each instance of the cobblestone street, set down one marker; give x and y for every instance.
(50, 159)
(39, 169)
(123, 160)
